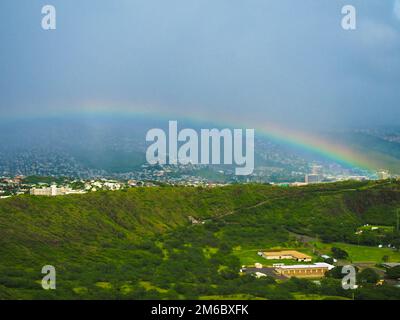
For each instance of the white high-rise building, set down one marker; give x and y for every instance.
(383, 175)
(312, 178)
(316, 169)
(315, 176)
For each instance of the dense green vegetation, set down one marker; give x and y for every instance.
(394, 273)
(140, 244)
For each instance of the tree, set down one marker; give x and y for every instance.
(393, 273)
(336, 273)
(368, 276)
(338, 253)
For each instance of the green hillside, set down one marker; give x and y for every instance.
(140, 243)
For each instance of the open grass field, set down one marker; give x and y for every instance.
(360, 253)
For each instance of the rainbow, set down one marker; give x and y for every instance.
(299, 139)
(323, 147)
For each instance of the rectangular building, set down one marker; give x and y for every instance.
(316, 270)
(312, 178)
(285, 254)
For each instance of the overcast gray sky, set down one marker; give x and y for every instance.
(287, 61)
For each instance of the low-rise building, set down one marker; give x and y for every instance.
(47, 191)
(285, 254)
(315, 270)
(54, 191)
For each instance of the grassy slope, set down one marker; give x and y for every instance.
(99, 231)
(34, 227)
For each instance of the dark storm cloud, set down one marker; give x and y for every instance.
(284, 61)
